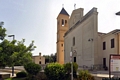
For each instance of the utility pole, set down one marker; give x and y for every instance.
(71, 58)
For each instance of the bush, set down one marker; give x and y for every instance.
(21, 74)
(55, 71)
(67, 68)
(41, 76)
(85, 75)
(32, 68)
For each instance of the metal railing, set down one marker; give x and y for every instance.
(92, 67)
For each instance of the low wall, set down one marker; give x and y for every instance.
(4, 76)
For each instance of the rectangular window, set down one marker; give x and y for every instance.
(104, 45)
(74, 59)
(73, 41)
(61, 45)
(112, 43)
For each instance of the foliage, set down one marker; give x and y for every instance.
(67, 68)
(6, 50)
(54, 57)
(41, 76)
(85, 75)
(23, 53)
(32, 68)
(2, 31)
(55, 71)
(21, 74)
(50, 58)
(15, 52)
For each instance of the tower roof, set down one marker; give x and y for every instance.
(63, 11)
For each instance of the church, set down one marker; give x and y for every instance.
(78, 33)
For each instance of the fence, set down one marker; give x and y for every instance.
(93, 67)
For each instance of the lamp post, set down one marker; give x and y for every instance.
(12, 65)
(118, 13)
(72, 53)
(71, 58)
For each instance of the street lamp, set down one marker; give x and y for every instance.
(71, 58)
(12, 65)
(12, 36)
(118, 13)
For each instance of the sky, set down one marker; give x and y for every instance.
(36, 19)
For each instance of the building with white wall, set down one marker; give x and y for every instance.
(82, 38)
(89, 46)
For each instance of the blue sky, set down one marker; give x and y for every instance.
(36, 19)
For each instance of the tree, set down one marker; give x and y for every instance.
(6, 50)
(53, 56)
(22, 54)
(2, 31)
(14, 52)
(50, 58)
(55, 71)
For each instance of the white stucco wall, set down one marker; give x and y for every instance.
(87, 51)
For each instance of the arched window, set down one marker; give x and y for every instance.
(63, 22)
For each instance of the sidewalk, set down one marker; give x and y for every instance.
(105, 73)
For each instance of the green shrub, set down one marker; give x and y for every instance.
(32, 68)
(41, 76)
(55, 71)
(67, 68)
(85, 75)
(21, 74)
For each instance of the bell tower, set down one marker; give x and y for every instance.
(62, 27)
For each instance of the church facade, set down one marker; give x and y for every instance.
(82, 38)
(79, 34)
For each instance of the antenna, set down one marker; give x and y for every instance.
(74, 6)
(62, 5)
